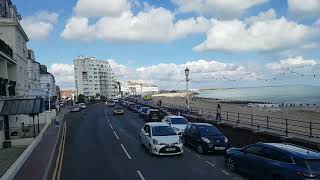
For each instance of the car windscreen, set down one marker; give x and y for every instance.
(137, 106)
(180, 120)
(144, 110)
(163, 131)
(154, 112)
(209, 131)
(117, 108)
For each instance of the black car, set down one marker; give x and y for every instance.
(152, 115)
(205, 138)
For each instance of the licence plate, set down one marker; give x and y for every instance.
(219, 148)
(170, 149)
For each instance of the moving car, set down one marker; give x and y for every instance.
(111, 103)
(75, 109)
(82, 106)
(160, 139)
(205, 138)
(143, 111)
(117, 110)
(137, 108)
(178, 123)
(274, 161)
(152, 115)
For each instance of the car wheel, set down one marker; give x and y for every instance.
(200, 149)
(231, 165)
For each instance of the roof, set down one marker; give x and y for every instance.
(21, 106)
(157, 124)
(296, 150)
(173, 116)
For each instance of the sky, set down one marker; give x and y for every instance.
(224, 43)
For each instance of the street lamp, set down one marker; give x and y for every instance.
(48, 86)
(187, 71)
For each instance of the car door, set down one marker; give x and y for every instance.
(249, 161)
(186, 134)
(145, 135)
(194, 136)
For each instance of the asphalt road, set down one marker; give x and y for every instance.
(101, 146)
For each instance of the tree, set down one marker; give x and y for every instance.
(81, 98)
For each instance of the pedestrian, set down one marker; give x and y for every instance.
(160, 103)
(218, 116)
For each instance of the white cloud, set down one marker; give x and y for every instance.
(260, 33)
(304, 8)
(217, 8)
(294, 62)
(118, 69)
(63, 73)
(152, 25)
(90, 8)
(78, 28)
(40, 25)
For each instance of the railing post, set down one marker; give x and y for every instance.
(267, 122)
(286, 127)
(310, 129)
(238, 119)
(251, 120)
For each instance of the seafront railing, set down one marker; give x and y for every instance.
(283, 126)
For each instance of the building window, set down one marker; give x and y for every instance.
(95, 73)
(96, 88)
(95, 76)
(94, 68)
(1, 125)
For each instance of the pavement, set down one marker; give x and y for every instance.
(8, 156)
(101, 146)
(36, 165)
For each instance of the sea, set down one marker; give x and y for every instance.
(299, 94)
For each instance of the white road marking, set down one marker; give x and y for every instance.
(124, 149)
(210, 163)
(187, 149)
(115, 134)
(225, 172)
(111, 126)
(140, 175)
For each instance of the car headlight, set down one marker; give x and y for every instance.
(226, 140)
(179, 141)
(155, 142)
(206, 140)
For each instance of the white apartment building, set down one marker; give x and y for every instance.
(11, 32)
(33, 75)
(135, 88)
(94, 77)
(45, 79)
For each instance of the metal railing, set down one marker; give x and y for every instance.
(278, 125)
(27, 131)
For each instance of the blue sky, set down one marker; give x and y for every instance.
(241, 34)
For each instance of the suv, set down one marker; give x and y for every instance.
(274, 161)
(152, 115)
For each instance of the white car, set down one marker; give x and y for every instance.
(82, 106)
(161, 139)
(178, 123)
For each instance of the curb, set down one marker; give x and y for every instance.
(16, 166)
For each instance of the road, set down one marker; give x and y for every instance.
(101, 146)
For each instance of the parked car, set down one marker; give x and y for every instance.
(152, 115)
(117, 110)
(75, 109)
(205, 138)
(131, 106)
(82, 106)
(160, 139)
(274, 161)
(178, 123)
(143, 111)
(137, 108)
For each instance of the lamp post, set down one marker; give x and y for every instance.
(186, 71)
(48, 86)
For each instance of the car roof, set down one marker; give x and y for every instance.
(157, 124)
(153, 109)
(176, 116)
(144, 107)
(296, 151)
(202, 124)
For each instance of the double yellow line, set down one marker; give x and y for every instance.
(57, 170)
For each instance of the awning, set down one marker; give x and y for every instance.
(21, 106)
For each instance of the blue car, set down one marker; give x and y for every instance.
(274, 161)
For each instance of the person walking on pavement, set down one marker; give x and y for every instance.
(218, 116)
